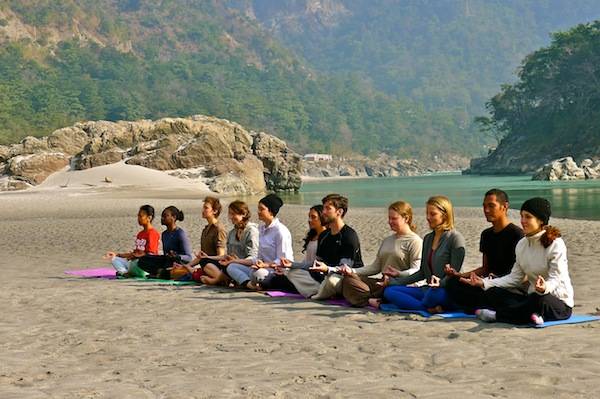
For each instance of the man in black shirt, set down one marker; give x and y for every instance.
(338, 248)
(497, 244)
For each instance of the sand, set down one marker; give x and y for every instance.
(67, 337)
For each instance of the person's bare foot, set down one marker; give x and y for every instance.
(203, 279)
(435, 309)
(375, 302)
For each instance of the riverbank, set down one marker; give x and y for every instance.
(68, 337)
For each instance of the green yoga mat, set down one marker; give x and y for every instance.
(157, 281)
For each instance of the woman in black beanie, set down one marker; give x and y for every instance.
(541, 260)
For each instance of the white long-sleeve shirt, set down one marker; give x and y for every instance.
(533, 260)
(274, 242)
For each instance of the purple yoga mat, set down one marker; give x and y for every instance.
(102, 272)
(279, 294)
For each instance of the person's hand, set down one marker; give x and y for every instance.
(201, 254)
(110, 255)
(285, 262)
(172, 254)
(390, 271)
(259, 265)
(345, 270)
(450, 271)
(138, 253)
(225, 261)
(434, 282)
(384, 282)
(474, 280)
(279, 270)
(540, 285)
(319, 266)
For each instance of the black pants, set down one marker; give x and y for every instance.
(278, 282)
(517, 309)
(151, 264)
(466, 296)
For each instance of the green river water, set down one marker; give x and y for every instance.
(572, 199)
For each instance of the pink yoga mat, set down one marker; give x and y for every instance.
(102, 272)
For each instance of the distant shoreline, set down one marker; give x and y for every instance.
(311, 179)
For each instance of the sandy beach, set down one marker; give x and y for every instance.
(68, 337)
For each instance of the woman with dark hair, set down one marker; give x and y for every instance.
(146, 242)
(316, 226)
(242, 243)
(541, 259)
(175, 241)
(303, 280)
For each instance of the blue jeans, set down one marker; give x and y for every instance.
(417, 298)
(239, 273)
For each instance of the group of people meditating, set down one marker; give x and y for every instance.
(523, 277)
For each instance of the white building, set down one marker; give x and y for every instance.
(318, 157)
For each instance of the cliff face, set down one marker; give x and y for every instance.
(523, 154)
(231, 159)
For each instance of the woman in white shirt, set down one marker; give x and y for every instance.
(541, 259)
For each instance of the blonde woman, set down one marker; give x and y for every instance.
(400, 252)
(442, 246)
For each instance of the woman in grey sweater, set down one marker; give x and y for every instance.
(443, 246)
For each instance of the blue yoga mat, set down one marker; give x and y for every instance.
(574, 319)
(388, 307)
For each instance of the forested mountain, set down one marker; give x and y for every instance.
(441, 53)
(553, 110)
(403, 77)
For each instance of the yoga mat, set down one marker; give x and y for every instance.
(574, 319)
(102, 272)
(335, 301)
(388, 307)
(159, 281)
(281, 294)
(109, 273)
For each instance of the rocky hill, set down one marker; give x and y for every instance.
(552, 111)
(230, 158)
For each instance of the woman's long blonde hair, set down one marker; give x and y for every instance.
(444, 205)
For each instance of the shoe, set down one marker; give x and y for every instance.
(537, 319)
(486, 315)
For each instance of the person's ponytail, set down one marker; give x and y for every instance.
(551, 234)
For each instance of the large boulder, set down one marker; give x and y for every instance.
(69, 140)
(560, 169)
(35, 168)
(234, 177)
(282, 167)
(4, 153)
(233, 160)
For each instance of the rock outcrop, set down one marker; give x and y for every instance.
(520, 154)
(282, 166)
(382, 166)
(231, 159)
(567, 169)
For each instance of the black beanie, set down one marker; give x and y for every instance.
(538, 207)
(273, 203)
